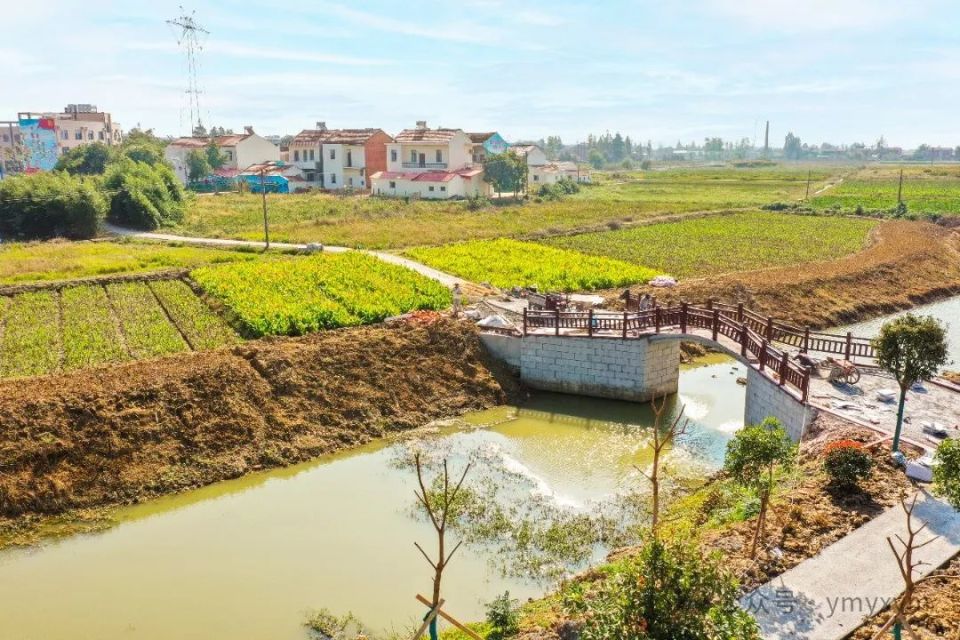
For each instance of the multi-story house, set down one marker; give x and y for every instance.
(542, 171)
(37, 140)
(81, 124)
(339, 158)
(487, 144)
(239, 151)
(430, 163)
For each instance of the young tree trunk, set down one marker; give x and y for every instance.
(903, 402)
(655, 483)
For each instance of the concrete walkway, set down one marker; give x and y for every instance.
(831, 594)
(444, 278)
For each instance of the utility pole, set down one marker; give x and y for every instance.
(266, 225)
(807, 197)
(900, 189)
(766, 141)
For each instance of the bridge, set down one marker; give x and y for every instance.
(635, 355)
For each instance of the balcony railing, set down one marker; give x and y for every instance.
(424, 165)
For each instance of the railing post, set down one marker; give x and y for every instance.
(656, 318)
(716, 323)
(709, 304)
(624, 325)
(743, 341)
(849, 346)
(590, 323)
(763, 353)
(783, 368)
(524, 321)
(769, 329)
(683, 317)
(556, 321)
(740, 312)
(806, 340)
(805, 391)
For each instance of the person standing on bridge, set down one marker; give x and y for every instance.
(646, 302)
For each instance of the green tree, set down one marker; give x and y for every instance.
(86, 160)
(946, 471)
(143, 153)
(143, 196)
(670, 591)
(618, 148)
(912, 348)
(507, 172)
(792, 148)
(597, 161)
(215, 157)
(198, 167)
(753, 456)
(49, 205)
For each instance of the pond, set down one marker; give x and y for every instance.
(250, 558)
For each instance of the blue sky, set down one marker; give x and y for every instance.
(829, 70)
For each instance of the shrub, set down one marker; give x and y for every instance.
(847, 463)
(476, 202)
(49, 205)
(87, 160)
(143, 197)
(946, 472)
(645, 165)
(503, 616)
(669, 591)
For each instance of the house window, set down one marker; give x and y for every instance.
(350, 161)
(90, 135)
(393, 155)
(313, 154)
(430, 189)
(66, 134)
(229, 155)
(78, 135)
(296, 156)
(443, 188)
(413, 157)
(333, 154)
(536, 177)
(333, 178)
(439, 155)
(393, 185)
(100, 135)
(350, 182)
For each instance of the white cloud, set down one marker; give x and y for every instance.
(818, 15)
(455, 32)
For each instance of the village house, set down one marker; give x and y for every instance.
(430, 163)
(486, 144)
(339, 158)
(239, 150)
(542, 171)
(35, 141)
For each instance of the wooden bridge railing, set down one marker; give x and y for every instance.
(755, 334)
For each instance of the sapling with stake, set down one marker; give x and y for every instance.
(662, 438)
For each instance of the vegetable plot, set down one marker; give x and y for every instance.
(31, 336)
(293, 296)
(90, 334)
(146, 327)
(202, 328)
(508, 263)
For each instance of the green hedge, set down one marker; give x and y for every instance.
(49, 205)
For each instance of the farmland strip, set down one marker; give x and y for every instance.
(201, 327)
(170, 319)
(149, 332)
(31, 342)
(90, 333)
(115, 317)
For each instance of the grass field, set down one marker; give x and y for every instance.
(293, 296)
(59, 260)
(927, 190)
(49, 331)
(508, 263)
(393, 223)
(718, 244)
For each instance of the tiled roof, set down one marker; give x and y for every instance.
(481, 137)
(428, 176)
(271, 169)
(523, 149)
(312, 137)
(427, 135)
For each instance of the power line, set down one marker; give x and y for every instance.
(190, 39)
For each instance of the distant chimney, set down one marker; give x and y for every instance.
(321, 126)
(421, 124)
(249, 130)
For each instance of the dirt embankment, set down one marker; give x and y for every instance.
(126, 433)
(908, 264)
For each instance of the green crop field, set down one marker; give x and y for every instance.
(724, 243)
(927, 190)
(507, 263)
(81, 326)
(394, 223)
(292, 296)
(59, 260)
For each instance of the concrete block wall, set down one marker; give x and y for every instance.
(601, 367)
(766, 398)
(504, 348)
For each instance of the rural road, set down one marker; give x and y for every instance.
(829, 595)
(444, 278)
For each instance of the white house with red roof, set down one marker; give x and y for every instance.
(339, 158)
(430, 163)
(239, 150)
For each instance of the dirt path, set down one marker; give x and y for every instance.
(831, 594)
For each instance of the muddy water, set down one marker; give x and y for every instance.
(248, 559)
(948, 311)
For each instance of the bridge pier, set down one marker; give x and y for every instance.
(766, 398)
(636, 370)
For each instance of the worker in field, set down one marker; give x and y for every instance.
(457, 299)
